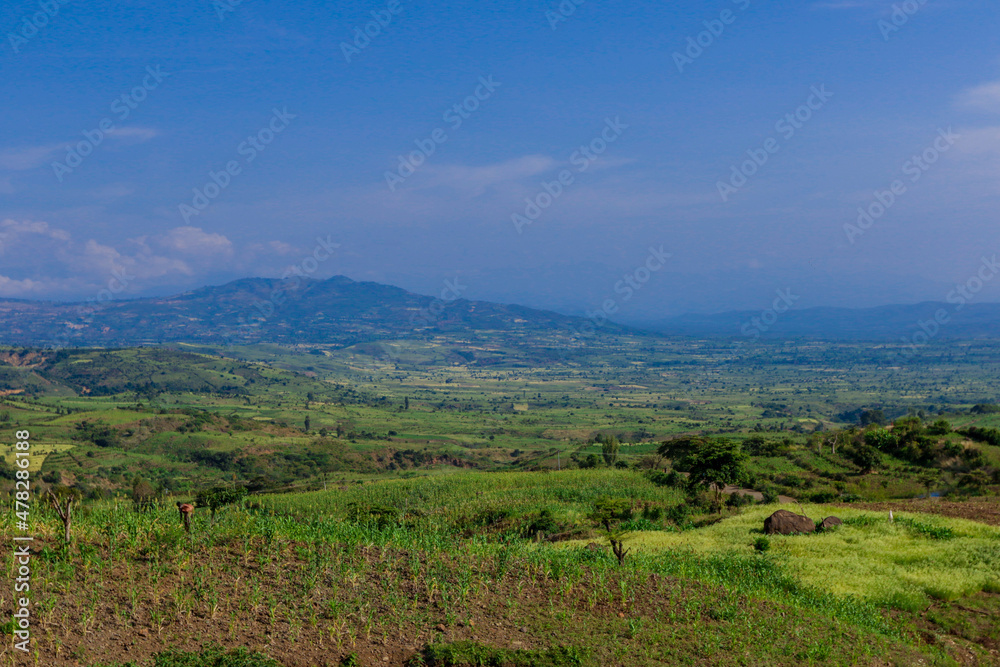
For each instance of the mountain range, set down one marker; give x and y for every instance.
(336, 311)
(340, 311)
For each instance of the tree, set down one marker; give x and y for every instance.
(871, 416)
(219, 496)
(866, 457)
(609, 513)
(63, 505)
(307, 422)
(609, 449)
(974, 482)
(680, 450)
(717, 464)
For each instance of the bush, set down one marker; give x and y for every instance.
(671, 479)
(737, 500)
(679, 514)
(762, 544)
(824, 497)
(542, 522)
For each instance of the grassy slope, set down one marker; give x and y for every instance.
(305, 583)
(898, 564)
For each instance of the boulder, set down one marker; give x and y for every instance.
(830, 522)
(784, 522)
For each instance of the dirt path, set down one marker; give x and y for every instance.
(983, 510)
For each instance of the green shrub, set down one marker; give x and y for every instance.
(762, 544)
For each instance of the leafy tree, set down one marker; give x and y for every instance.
(882, 439)
(974, 482)
(710, 463)
(866, 457)
(940, 427)
(717, 464)
(219, 496)
(609, 513)
(872, 416)
(680, 450)
(609, 449)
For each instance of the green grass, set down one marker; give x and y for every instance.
(904, 564)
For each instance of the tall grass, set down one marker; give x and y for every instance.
(902, 564)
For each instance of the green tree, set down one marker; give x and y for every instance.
(609, 449)
(717, 464)
(608, 514)
(866, 457)
(871, 416)
(710, 463)
(219, 496)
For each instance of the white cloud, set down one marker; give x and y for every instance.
(475, 180)
(985, 97)
(195, 241)
(39, 260)
(27, 157)
(979, 141)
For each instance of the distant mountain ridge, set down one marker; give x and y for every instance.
(937, 320)
(337, 311)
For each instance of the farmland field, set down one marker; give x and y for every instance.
(404, 509)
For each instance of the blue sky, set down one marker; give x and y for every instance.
(310, 130)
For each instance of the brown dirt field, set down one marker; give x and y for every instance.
(125, 613)
(983, 510)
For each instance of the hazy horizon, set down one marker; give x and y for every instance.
(552, 150)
